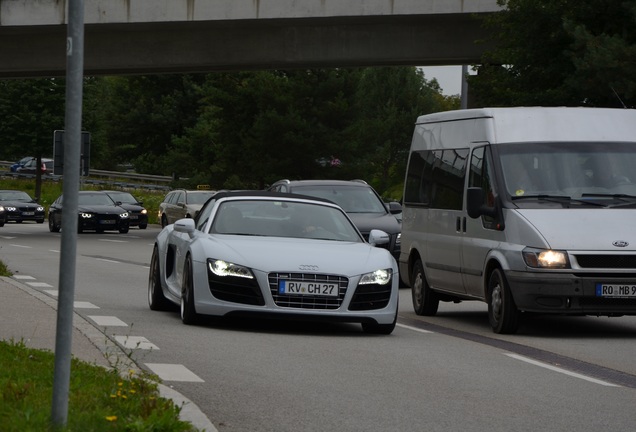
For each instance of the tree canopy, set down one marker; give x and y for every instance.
(559, 52)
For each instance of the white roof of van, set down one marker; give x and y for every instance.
(526, 124)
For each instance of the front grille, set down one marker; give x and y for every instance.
(308, 301)
(607, 261)
(370, 297)
(235, 289)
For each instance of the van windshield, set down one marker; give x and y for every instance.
(557, 171)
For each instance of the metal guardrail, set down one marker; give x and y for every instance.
(115, 178)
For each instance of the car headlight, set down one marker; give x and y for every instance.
(398, 239)
(124, 215)
(40, 209)
(224, 268)
(11, 209)
(550, 259)
(1, 208)
(144, 211)
(380, 277)
(86, 215)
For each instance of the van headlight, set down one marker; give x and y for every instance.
(380, 277)
(546, 258)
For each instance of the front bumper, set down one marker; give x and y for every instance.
(569, 293)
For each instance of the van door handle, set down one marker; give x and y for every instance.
(458, 224)
(464, 224)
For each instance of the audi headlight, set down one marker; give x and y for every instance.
(380, 277)
(86, 215)
(224, 268)
(549, 259)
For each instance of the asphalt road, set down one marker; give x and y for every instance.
(442, 373)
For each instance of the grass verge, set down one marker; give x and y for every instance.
(100, 399)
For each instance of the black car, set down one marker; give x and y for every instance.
(19, 207)
(97, 212)
(136, 211)
(2, 216)
(356, 197)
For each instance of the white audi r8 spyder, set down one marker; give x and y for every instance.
(270, 254)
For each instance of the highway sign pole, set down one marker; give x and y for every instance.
(72, 143)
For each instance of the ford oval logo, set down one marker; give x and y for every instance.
(307, 267)
(620, 243)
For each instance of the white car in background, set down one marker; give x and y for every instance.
(271, 254)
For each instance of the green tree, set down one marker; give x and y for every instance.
(559, 52)
(31, 109)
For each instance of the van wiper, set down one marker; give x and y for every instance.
(557, 199)
(627, 200)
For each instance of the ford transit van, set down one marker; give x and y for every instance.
(531, 210)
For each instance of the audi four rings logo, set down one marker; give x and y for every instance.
(308, 267)
(620, 243)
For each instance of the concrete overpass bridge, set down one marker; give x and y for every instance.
(155, 36)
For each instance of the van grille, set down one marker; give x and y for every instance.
(607, 261)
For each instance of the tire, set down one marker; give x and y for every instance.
(143, 226)
(40, 221)
(502, 311)
(18, 221)
(156, 299)
(380, 329)
(53, 227)
(1, 224)
(189, 314)
(425, 300)
(164, 221)
(124, 230)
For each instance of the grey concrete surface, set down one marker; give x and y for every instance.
(30, 316)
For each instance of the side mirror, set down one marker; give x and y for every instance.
(185, 225)
(377, 237)
(475, 206)
(395, 207)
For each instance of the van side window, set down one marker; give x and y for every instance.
(435, 178)
(481, 176)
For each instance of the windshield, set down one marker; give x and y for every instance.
(123, 197)
(199, 197)
(15, 196)
(568, 170)
(94, 199)
(283, 219)
(352, 199)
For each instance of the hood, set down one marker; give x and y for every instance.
(585, 229)
(368, 221)
(275, 254)
(102, 209)
(22, 204)
(131, 207)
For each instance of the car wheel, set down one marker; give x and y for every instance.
(1, 224)
(40, 221)
(502, 310)
(425, 300)
(188, 311)
(164, 221)
(143, 226)
(156, 299)
(53, 227)
(375, 328)
(124, 230)
(18, 221)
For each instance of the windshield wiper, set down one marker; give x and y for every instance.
(558, 199)
(627, 200)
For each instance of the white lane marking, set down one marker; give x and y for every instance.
(21, 246)
(413, 328)
(135, 342)
(7, 237)
(560, 370)
(84, 305)
(23, 277)
(107, 260)
(113, 241)
(51, 292)
(39, 284)
(173, 372)
(107, 321)
(53, 250)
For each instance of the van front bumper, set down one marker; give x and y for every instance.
(573, 294)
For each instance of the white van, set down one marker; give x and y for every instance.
(532, 210)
